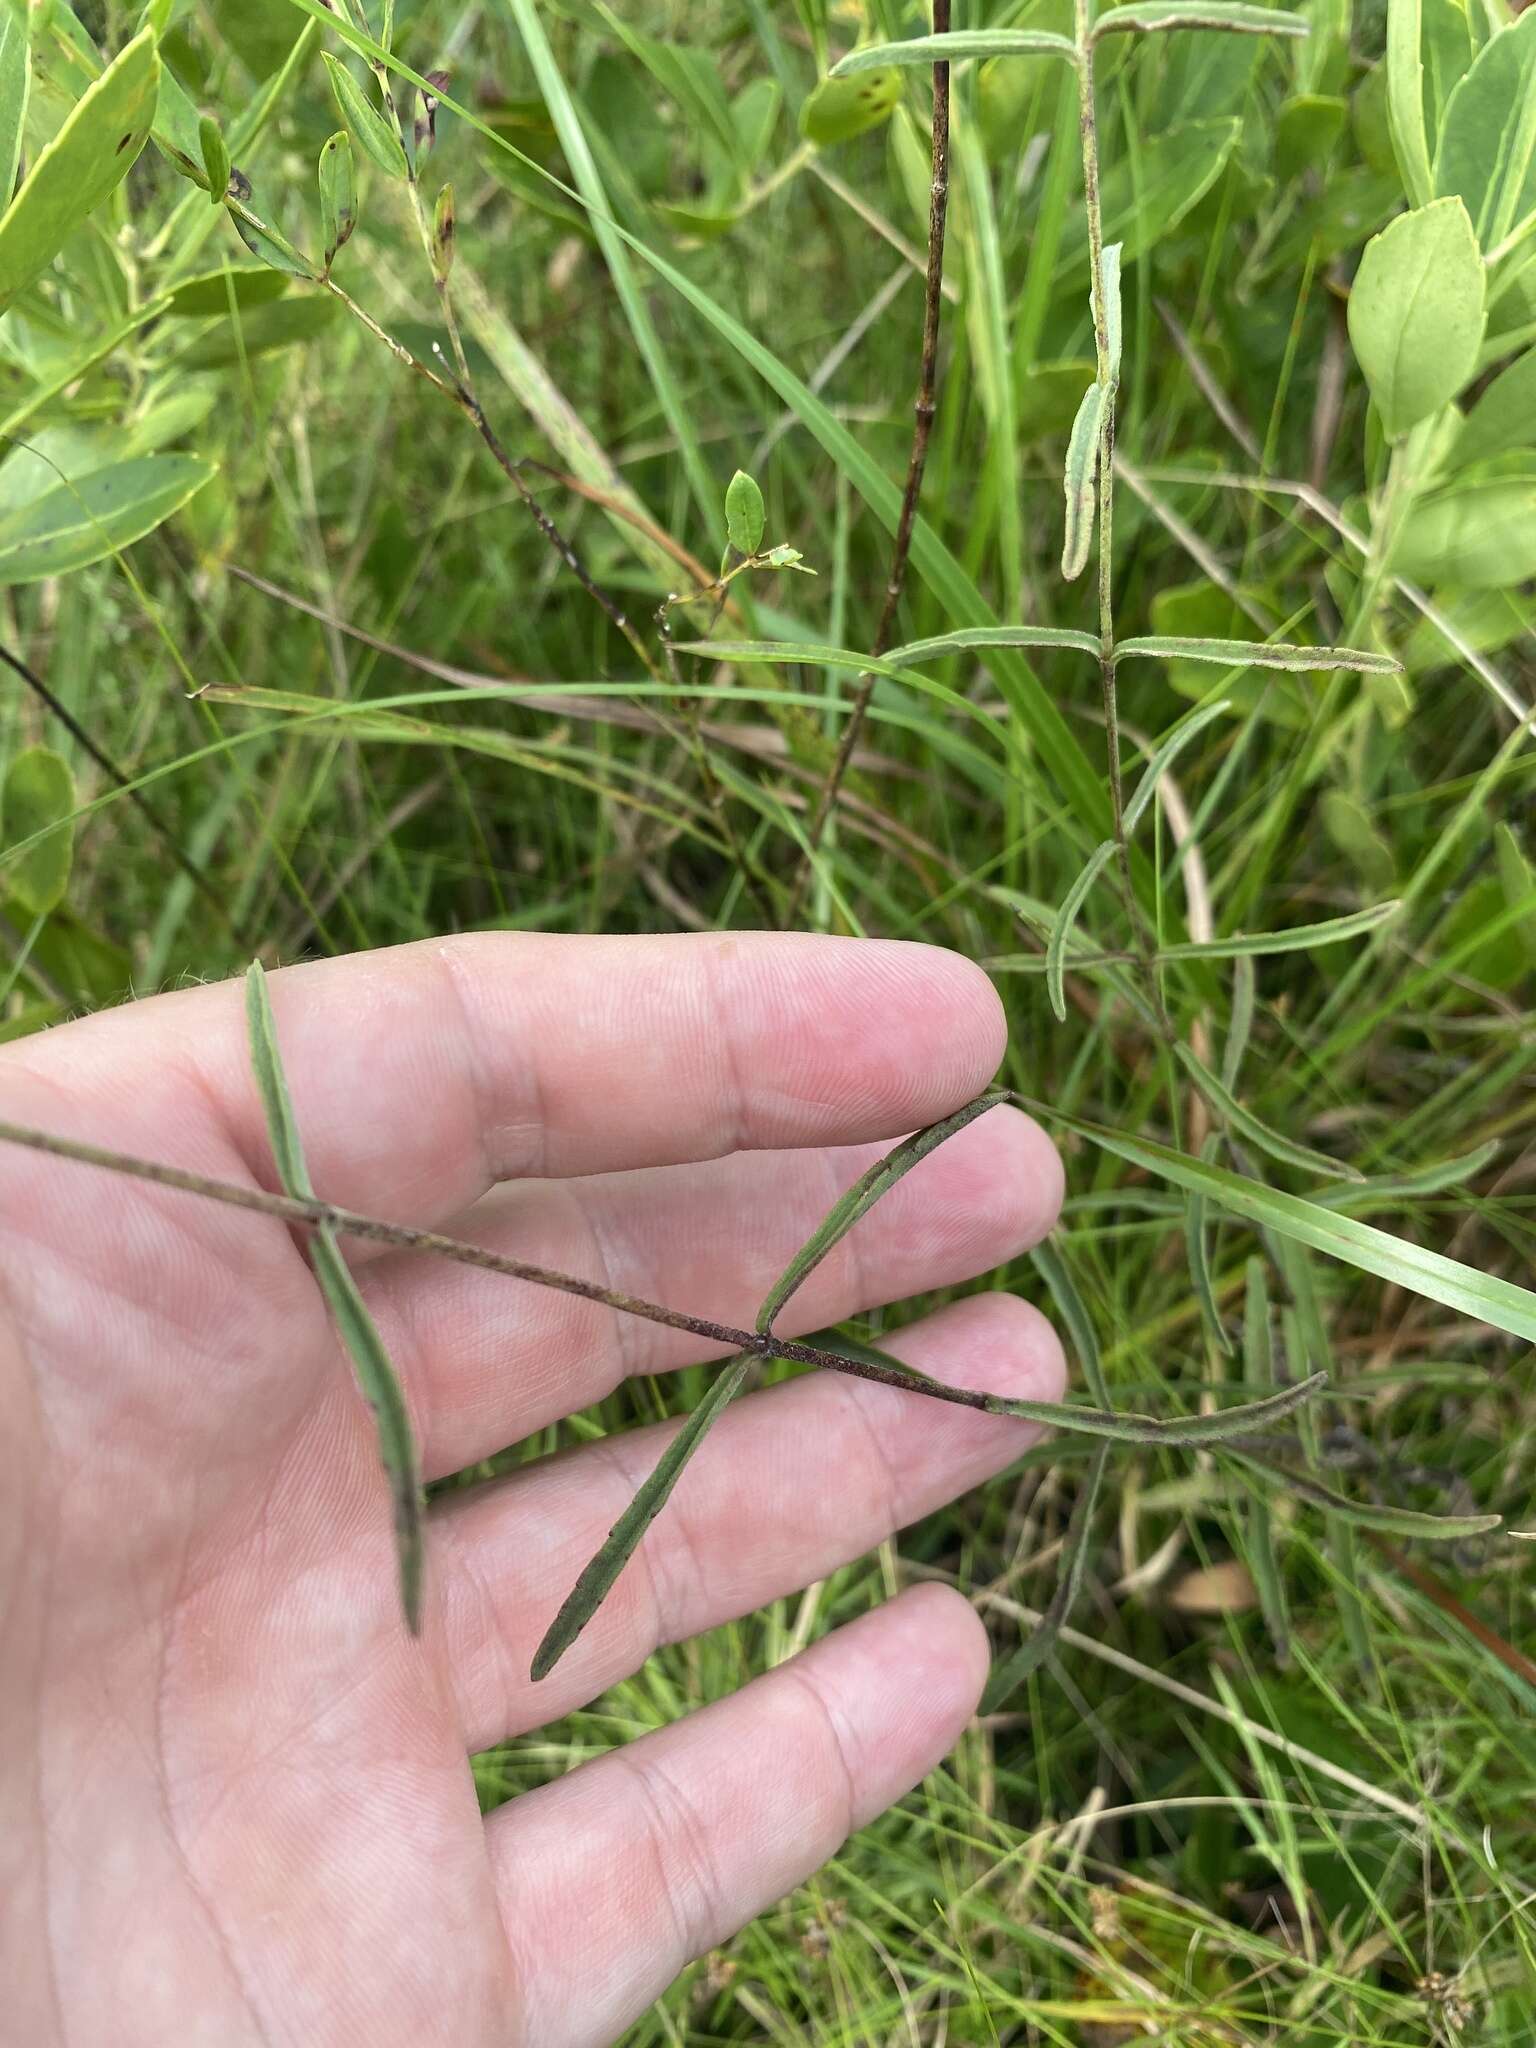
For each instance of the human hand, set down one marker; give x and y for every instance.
(235, 1803)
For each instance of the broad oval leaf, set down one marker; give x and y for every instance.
(954, 46)
(1079, 477)
(373, 133)
(38, 796)
(1480, 535)
(1150, 17)
(211, 295)
(745, 517)
(85, 162)
(76, 524)
(841, 108)
(1417, 312)
(1487, 152)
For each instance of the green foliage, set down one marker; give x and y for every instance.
(80, 521)
(1416, 313)
(745, 518)
(37, 801)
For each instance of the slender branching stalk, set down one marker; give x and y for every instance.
(922, 427)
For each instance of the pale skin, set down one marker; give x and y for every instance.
(235, 1798)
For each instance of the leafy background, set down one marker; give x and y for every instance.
(312, 678)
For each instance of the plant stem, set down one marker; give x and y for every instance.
(923, 412)
(316, 1214)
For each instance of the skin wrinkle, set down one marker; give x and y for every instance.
(696, 1906)
(724, 1041)
(450, 963)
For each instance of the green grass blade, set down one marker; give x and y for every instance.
(1483, 1296)
(1263, 1560)
(376, 1376)
(1298, 938)
(1032, 1653)
(1239, 1022)
(954, 47)
(1066, 918)
(597, 1579)
(1198, 1252)
(1165, 756)
(1073, 1310)
(1393, 1189)
(1269, 1140)
(862, 1197)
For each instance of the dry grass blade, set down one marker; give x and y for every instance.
(597, 1580)
(1386, 1521)
(375, 1374)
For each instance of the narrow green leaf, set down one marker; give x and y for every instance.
(1483, 1296)
(1152, 17)
(1112, 321)
(1165, 756)
(1032, 1653)
(598, 1577)
(1274, 1142)
(1263, 1561)
(1257, 654)
(75, 524)
(1390, 1190)
(445, 231)
(38, 796)
(1198, 1253)
(1405, 98)
(1517, 881)
(1079, 478)
(1175, 1430)
(863, 1195)
(376, 1375)
(1417, 312)
(955, 46)
(1061, 929)
(374, 135)
(1073, 1310)
(215, 158)
(15, 96)
(83, 165)
(338, 194)
(968, 639)
(1388, 1521)
(1239, 1023)
(1487, 148)
(745, 517)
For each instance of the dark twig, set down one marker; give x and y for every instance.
(923, 410)
(124, 781)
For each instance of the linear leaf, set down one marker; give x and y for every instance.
(15, 93)
(1166, 754)
(1296, 938)
(1073, 1310)
(83, 165)
(1198, 1254)
(968, 638)
(1483, 1296)
(376, 1376)
(1240, 1022)
(1042, 1639)
(374, 135)
(1390, 1189)
(863, 1195)
(1149, 17)
(954, 47)
(1078, 479)
(1405, 98)
(1170, 1430)
(1112, 325)
(1258, 654)
(597, 1579)
(1061, 929)
(1388, 1521)
(1274, 1142)
(1259, 1367)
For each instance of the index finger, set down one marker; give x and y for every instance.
(424, 1074)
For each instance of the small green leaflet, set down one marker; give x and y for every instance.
(338, 194)
(955, 46)
(745, 517)
(215, 159)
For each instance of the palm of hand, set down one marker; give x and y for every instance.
(234, 1797)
